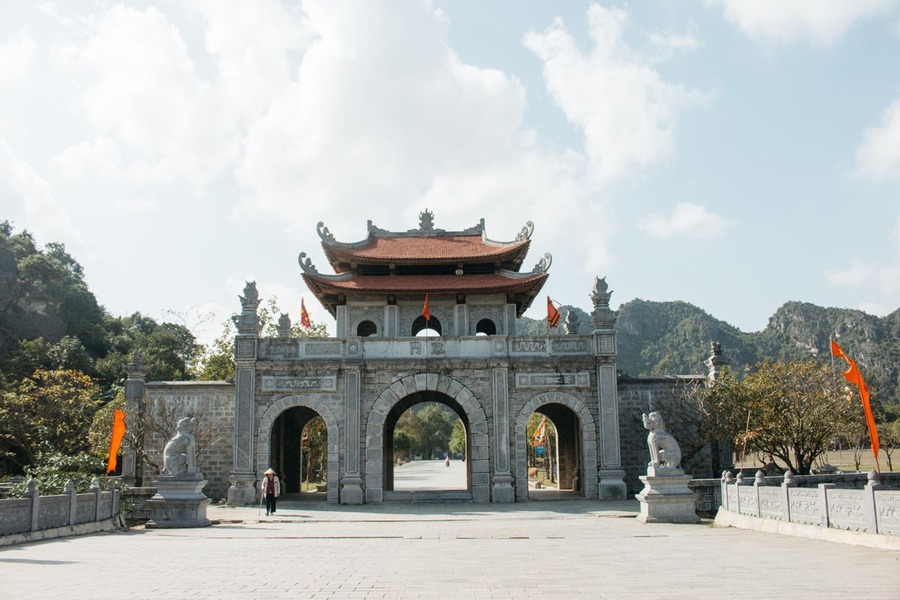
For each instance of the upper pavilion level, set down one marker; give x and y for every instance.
(474, 284)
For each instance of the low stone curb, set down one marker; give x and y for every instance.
(59, 532)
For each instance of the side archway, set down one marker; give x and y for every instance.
(588, 435)
(264, 433)
(440, 385)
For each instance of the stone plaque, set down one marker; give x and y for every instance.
(282, 349)
(805, 506)
(553, 380)
(607, 344)
(566, 346)
(323, 348)
(845, 510)
(321, 383)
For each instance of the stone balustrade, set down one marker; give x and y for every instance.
(374, 348)
(873, 509)
(36, 517)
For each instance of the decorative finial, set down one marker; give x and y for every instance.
(426, 220)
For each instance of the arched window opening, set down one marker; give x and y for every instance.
(366, 329)
(421, 327)
(485, 327)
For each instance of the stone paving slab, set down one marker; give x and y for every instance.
(559, 549)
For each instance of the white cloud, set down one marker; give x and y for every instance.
(622, 104)
(819, 22)
(687, 220)
(32, 199)
(878, 155)
(251, 42)
(883, 279)
(137, 204)
(856, 273)
(146, 103)
(17, 55)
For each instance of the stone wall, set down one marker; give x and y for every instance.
(212, 403)
(642, 395)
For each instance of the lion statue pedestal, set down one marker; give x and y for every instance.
(666, 497)
(179, 500)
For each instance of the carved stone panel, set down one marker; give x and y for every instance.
(553, 380)
(805, 506)
(887, 508)
(322, 349)
(770, 503)
(320, 383)
(845, 509)
(570, 346)
(530, 346)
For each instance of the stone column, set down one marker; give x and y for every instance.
(351, 482)
(243, 475)
(391, 321)
(134, 409)
(721, 454)
(501, 488)
(341, 324)
(461, 320)
(510, 318)
(603, 320)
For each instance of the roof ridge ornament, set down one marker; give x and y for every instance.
(324, 233)
(306, 264)
(543, 265)
(526, 232)
(426, 220)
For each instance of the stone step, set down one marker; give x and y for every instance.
(429, 496)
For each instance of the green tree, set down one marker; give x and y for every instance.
(51, 411)
(794, 409)
(216, 362)
(457, 438)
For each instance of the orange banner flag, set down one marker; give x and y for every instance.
(552, 313)
(855, 377)
(425, 312)
(118, 432)
(304, 316)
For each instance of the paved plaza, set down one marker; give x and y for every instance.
(549, 549)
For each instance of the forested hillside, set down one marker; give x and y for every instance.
(668, 338)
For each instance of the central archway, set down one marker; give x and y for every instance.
(408, 391)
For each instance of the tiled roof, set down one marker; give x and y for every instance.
(324, 286)
(415, 250)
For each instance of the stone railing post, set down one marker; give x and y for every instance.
(726, 479)
(69, 490)
(786, 494)
(111, 487)
(759, 480)
(825, 518)
(738, 482)
(95, 489)
(32, 493)
(873, 484)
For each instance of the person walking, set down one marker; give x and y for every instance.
(271, 489)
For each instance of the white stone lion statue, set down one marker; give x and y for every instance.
(665, 453)
(179, 455)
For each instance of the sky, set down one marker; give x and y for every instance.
(734, 155)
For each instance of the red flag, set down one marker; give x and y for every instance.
(425, 312)
(855, 377)
(304, 316)
(552, 313)
(540, 433)
(118, 432)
